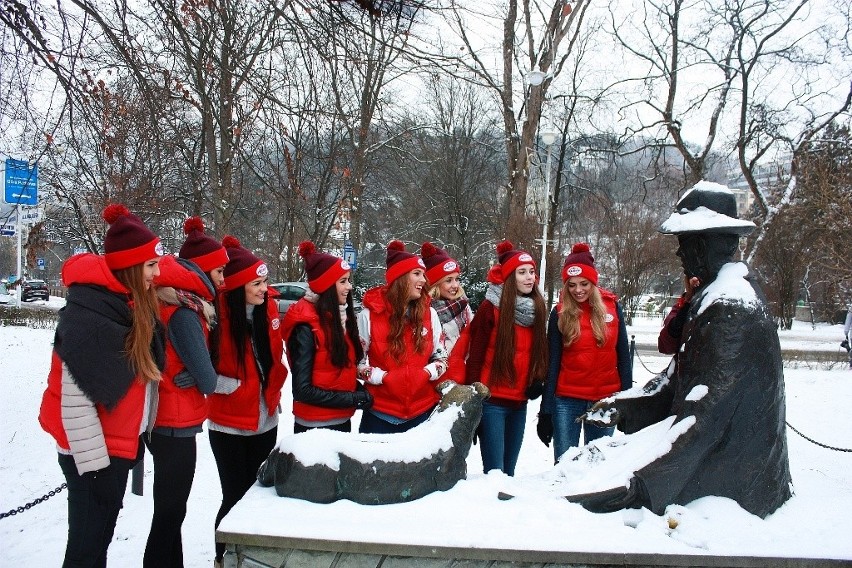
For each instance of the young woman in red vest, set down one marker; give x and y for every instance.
(247, 350)
(101, 392)
(186, 293)
(401, 337)
(589, 354)
(445, 289)
(508, 352)
(323, 348)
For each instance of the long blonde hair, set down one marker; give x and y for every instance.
(435, 291)
(145, 311)
(569, 316)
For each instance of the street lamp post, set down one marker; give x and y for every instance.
(548, 137)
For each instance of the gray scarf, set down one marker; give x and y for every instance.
(524, 305)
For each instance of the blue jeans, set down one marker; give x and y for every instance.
(372, 424)
(501, 432)
(566, 431)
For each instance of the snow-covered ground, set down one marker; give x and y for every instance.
(814, 523)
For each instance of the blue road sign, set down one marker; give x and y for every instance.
(40, 263)
(350, 256)
(21, 182)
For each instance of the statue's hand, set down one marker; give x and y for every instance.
(632, 497)
(603, 414)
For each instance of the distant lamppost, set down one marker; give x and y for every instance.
(548, 137)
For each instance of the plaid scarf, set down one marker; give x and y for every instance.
(453, 316)
(186, 299)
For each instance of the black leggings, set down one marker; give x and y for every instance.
(238, 459)
(174, 470)
(94, 501)
(342, 427)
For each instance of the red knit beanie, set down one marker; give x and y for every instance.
(243, 266)
(323, 269)
(128, 241)
(400, 262)
(203, 250)
(580, 263)
(438, 263)
(495, 275)
(510, 259)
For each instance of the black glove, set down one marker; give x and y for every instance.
(361, 398)
(535, 390)
(845, 344)
(633, 497)
(544, 428)
(184, 380)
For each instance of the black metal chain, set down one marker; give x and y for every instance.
(811, 440)
(31, 504)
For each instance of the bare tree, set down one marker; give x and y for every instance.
(756, 60)
(535, 37)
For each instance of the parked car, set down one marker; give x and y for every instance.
(288, 294)
(33, 290)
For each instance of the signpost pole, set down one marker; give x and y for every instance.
(18, 231)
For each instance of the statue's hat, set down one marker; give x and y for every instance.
(706, 207)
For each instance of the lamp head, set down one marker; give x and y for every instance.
(536, 78)
(548, 137)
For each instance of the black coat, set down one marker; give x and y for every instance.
(737, 447)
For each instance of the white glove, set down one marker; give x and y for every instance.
(435, 370)
(226, 385)
(377, 376)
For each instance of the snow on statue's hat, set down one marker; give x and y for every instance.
(707, 207)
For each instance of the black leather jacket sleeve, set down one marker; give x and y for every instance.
(301, 347)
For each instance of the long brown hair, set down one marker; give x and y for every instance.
(405, 313)
(503, 366)
(328, 310)
(569, 316)
(145, 312)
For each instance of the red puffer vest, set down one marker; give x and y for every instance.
(179, 408)
(586, 371)
(122, 424)
(325, 375)
(406, 391)
(241, 408)
(523, 353)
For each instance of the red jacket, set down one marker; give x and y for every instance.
(586, 371)
(121, 425)
(241, 408)
(484, 334)
(406, 391)
(179, 408)
(325, 375)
